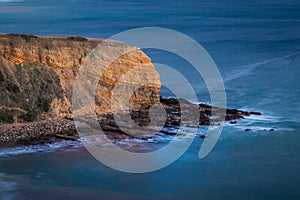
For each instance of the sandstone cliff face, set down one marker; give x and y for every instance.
(37, 76)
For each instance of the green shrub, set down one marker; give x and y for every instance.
(13, 88)
(2, 79)
(43, 104)
(29, 116)
(6, 117)
(77, 38)
(24, 36)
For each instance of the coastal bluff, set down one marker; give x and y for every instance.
(37, 74)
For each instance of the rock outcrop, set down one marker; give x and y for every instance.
(37, 75)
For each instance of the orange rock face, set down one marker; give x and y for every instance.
(28, 62)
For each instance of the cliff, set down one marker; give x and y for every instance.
(37, 75)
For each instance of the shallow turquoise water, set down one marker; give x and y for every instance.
(256, 48)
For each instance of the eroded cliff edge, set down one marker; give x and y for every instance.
(37, 75)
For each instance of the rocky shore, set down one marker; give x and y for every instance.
(37, 133)
(64, 129)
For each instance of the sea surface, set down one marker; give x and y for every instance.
(256, 46)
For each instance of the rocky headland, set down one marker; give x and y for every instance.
(36, 79)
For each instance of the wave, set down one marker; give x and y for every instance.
(263, 128)
(7, 187)
(266, 118)
(260, 123)
(253, 123)
(7, 1)
(45, 148)
(246, 70)
(87, 140)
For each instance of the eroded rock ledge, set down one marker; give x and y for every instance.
(64, 129)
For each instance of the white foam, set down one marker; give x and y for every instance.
(260, 123)
(268, 118)
(46, 148)
(261, 127)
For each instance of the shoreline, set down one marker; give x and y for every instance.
(42, 132)
(37, 133)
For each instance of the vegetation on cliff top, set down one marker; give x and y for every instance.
(32, 88)
(28, 37)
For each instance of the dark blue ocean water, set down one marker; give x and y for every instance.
(256, 46)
